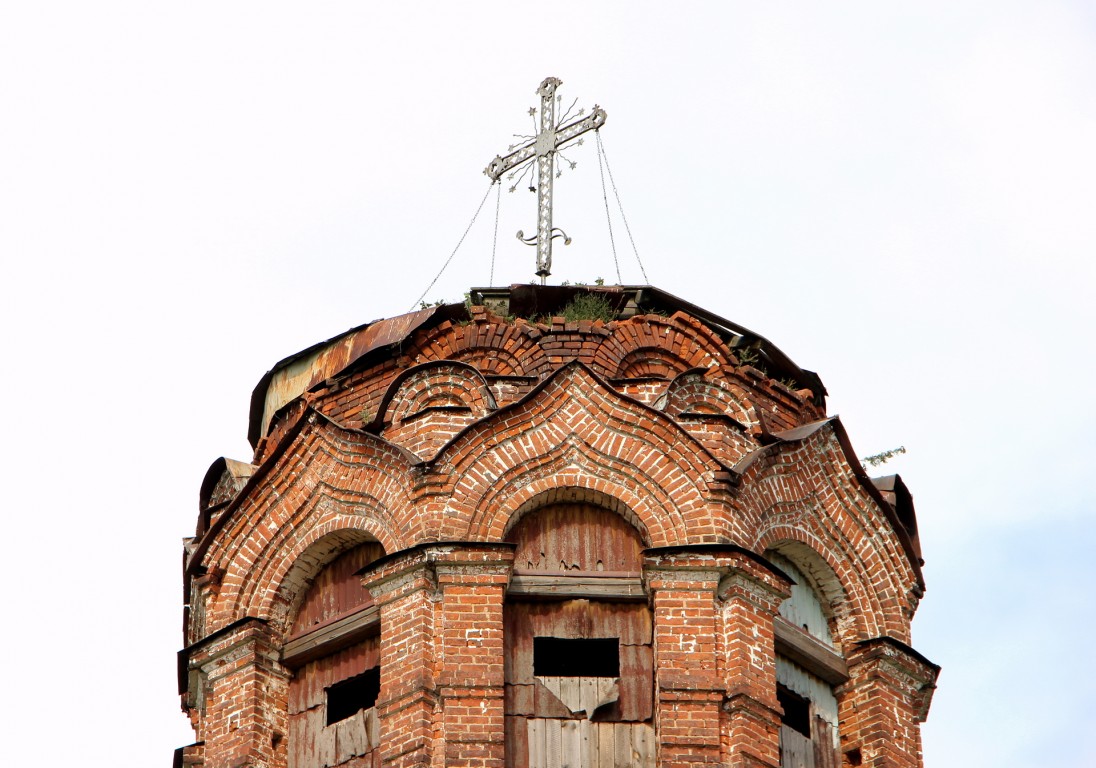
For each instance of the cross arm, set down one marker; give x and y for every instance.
(591, 122)
(500, 165)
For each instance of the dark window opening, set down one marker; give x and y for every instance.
(347, 698)
(797, 710)
(560, 657)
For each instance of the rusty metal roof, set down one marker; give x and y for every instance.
(301, 372)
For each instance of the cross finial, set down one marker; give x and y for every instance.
(543, 146)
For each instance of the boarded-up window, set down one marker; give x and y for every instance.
(579, 672)
(808, 729)
(331, 717)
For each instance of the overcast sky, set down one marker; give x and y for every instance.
(900, 196)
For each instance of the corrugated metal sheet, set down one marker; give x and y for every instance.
(823, 702)
(297, 374)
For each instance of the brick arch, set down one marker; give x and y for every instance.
(494, 348)
(326, 545)
(272, 586)
(823, 579)
(651, 362)
(327, 476)
(654, 345)
(658, 512)
(577, 494)
(575, 430)
(808, 494)
(701, 390)
(438, 383)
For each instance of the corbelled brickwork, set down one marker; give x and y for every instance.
(435, 433)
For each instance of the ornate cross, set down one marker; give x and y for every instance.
(544, 147)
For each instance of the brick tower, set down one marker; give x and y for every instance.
(559, 526)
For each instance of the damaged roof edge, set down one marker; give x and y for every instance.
(300, 372)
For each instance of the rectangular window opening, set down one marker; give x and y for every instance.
(348, 697)
(563, 657)
(797, 710)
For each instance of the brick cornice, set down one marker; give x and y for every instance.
(885, 659)
(730, 570)
(390, 575)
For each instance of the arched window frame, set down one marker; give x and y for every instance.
(810, 666)
(335, 685)
(585, 719)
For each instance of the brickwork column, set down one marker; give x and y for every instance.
(404, 587)
(689, 694)
(245, 690)
(472, 579)
(883, 704)
(750, 595)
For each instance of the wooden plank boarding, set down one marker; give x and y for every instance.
(331, 637)
(808, 652)
(578, 584)
(571, 744)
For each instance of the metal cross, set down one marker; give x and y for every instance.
(544, 147)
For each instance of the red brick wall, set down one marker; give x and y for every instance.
(467, 427)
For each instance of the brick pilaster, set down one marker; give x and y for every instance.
(884, 702)
(750, 595)
(682, 583)
(472, 579)
(245, 695)
(404, 587)
(441, 699)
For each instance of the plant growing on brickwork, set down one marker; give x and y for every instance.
(589, 306)
(747, 356)
(879, 459)
(598, 281)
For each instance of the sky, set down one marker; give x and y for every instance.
(900, 196)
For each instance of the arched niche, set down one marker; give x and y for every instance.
(576, 537)
(579, 667)
(808, 660)
(334, 651)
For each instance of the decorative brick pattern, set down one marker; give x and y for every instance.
(437, 446)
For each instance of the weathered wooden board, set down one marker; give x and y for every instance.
(796, 750)
(581, 619)
(576, 537)
(809, 652)
(337, 589)
(555, 743)
(580, 584)
(332, 636)
(825, 745)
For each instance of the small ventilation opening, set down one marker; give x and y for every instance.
(347, 698)
(797, 710)
(561, 657)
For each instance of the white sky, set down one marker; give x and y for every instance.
(900, 196)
